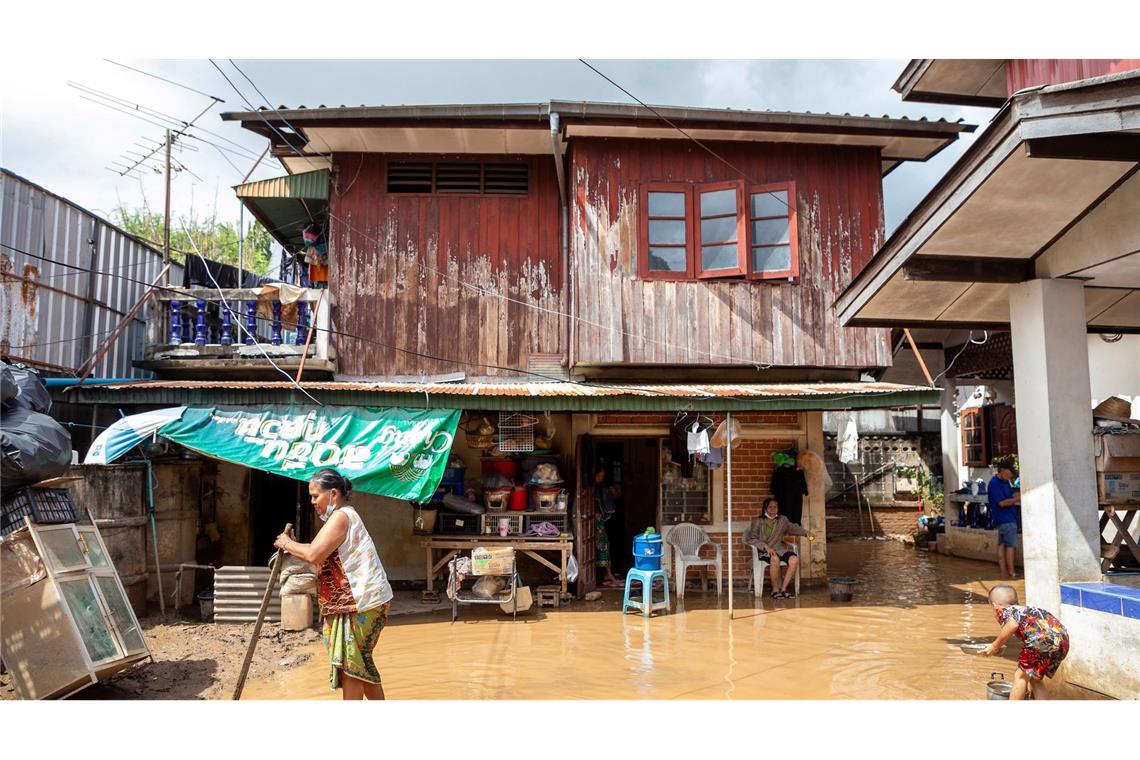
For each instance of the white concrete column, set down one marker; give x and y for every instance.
(1054, 440)
(814, 553)
(951, 446)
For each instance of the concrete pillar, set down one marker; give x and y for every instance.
(950, 444)
(1054, 423)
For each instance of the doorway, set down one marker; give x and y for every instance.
(631, 467)
(273, 501)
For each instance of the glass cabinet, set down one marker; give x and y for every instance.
(70, 623)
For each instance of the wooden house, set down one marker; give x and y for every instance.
(612, 265)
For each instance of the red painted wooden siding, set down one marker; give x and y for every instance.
(721, 321)
(1022, 73)
(406, 270)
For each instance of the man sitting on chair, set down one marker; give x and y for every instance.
(767, 534)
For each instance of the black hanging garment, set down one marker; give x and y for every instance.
(679, 450)
(789, 486)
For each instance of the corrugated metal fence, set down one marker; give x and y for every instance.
(55, 313)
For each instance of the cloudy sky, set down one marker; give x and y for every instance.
(69, 119)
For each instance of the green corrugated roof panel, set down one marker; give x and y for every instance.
(286, 205)
(306, 185)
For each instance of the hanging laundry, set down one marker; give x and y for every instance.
(815, 471)
(698, 440)
(714, 460)
(789, 486)
(848, 441)
(679, 451)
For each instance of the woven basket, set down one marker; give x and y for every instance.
(480, 442)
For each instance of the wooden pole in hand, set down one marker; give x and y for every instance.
(274, 574)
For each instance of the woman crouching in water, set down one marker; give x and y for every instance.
(352, 588)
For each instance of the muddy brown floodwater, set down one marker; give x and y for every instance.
(898, 639)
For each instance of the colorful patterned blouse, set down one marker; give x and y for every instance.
(1036, 628)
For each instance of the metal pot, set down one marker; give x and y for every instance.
(998, 687)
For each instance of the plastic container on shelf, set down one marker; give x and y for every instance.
(518, 499)
(508, 468)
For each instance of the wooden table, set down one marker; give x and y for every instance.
(528, 545)
(1123, 530)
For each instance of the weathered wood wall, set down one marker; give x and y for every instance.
(432, 274)
(722, 322)
(1021, 73)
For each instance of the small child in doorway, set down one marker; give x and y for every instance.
(603, 511)
(1045, 641)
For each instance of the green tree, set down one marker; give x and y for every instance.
(215, 240)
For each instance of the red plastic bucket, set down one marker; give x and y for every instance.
(518, 499)
(506, 467)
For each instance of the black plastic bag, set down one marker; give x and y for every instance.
(33, 446)
(31, 393)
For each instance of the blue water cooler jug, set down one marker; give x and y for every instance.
(647, 550)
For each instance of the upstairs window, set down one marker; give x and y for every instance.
(458, 178)
(718, 230)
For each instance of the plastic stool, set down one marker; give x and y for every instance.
(646, 577)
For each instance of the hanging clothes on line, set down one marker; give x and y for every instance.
(847, 442)
(789, 485)
(698, 440)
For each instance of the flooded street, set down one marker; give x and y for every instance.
(896, 640)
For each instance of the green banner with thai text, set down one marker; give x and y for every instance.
(400, 453)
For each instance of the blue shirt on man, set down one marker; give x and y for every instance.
(999, 490)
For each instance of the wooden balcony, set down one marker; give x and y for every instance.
(237, 334)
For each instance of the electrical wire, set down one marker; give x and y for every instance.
(969, 340)
(704, 147)
(164, 79)
(270, 104)
(457, 362)
(261, 116)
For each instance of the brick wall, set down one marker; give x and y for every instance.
(843, 522)
(751, 472)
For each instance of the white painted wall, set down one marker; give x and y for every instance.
(1114, 369)
(1102, 652)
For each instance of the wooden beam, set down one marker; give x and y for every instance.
(967, 269)
(922, 364)
(1095, 147)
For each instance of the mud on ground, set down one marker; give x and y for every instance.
(195, 660)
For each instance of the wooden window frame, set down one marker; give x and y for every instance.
(643, 250)
(741, 232)
(793, 272)
(977, 413)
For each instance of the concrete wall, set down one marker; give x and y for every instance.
(845, 522)
(232, 513)
(1114, 369)
(973, 543)
(1102, 652)
(389, 522)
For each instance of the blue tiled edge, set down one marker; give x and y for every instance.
(1110, 598)
(1070, 595)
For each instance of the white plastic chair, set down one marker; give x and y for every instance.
(759, 571)
(686, 540)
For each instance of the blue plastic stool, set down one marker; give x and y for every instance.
(646, 577)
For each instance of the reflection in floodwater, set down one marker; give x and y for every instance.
(898, 639)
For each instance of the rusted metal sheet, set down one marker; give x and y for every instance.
(1022, 73)
(625, 318)
(473, 282)
(54, 314)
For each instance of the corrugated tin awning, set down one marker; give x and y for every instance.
(525, 396)
(286, 205)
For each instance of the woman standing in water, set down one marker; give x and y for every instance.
(352, 588)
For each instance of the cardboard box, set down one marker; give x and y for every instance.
(1119, 452)
(492, 561)
(1118, 487)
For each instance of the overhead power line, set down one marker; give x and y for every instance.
(164, 79)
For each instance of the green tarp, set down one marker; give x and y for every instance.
(393, 452)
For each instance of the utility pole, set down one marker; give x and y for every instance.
(166, 219)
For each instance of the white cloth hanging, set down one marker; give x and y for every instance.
(848, 443)
(698, 440)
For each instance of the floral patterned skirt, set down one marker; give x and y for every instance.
(603, 540)
(350, 638)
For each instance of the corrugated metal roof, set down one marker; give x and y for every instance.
(307, 185)
(523, 395)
